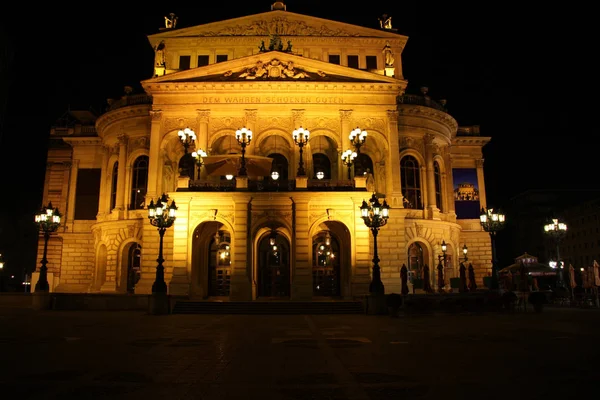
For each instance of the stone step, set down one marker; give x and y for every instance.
(268, 307)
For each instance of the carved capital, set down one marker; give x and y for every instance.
(202, 116)
(298, 117)
(479, 163)
(123, 138)
(156, 115)
(345, 115)
(251, 115)
(392, 115)
(428, 139)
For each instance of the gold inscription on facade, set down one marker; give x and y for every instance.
(274, 100)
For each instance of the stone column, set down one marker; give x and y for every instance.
(481, 183)
(393, 184)
(105, 184)
(154, 163)
(346, 127)
(202, 136)
(430, 173)
(72, 191)
(120, 202)
(449, 180)
(241, 287)
(302, 270)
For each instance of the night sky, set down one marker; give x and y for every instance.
(509, 70)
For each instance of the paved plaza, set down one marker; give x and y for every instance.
(132, 355)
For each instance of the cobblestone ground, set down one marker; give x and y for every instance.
(132, 355)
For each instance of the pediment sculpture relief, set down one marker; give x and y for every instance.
(273, 69)
(278, 26)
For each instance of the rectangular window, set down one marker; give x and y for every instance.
(221, 57)
(87, 193)
(202, 60)
(334, 59)
(184, 62)
(353, 61)
(371, 62)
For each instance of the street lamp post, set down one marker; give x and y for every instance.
(462, 271)
(47, 221)
(300, 137)
(1, 272)
(375, 215)
(243, 137)
(492, 221)
(187, 137)
(199, 157)
(348, 157)
(442, 259)
(161, 216)
(557, 231)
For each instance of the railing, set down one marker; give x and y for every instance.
(272, 186)
(131, 100)
(425, 101)
(211, 186)
(315, 185)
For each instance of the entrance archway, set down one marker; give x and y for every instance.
(326, 265)
(211, 260)
(134, 262)
(273, 266)
(331, 260)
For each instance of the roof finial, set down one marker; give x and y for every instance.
(278, 5)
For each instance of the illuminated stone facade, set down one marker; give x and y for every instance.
(272, 73)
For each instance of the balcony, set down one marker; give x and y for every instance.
(313, 185)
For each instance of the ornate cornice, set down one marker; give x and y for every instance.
(427, 112)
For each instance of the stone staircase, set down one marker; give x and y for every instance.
(268, 307)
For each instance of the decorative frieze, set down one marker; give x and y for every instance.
(278, 26)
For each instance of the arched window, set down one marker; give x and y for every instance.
(139, 183)
(113, 185)
(411, 182)
(415, 261)
(362, 165)
(438, 185)
(321, 163)
(279, 164)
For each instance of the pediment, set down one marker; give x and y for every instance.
(273, 66)
(278, 22)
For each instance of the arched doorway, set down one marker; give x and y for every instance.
(134, 260)
(416, 262)
(219, 264)
(326, 265)
(273, 266)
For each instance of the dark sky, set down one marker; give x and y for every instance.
(507, 69)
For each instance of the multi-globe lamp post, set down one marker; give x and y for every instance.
(300, 137)
(162, 216)
(492, 221)
(243, 137)
(187, 137)
(375, 215)
(557, 230)
(199, 155)
(357, 139)
(348, 157)
(47, 221)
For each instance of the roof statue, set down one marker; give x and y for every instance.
(385, 22)
(170, 21)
